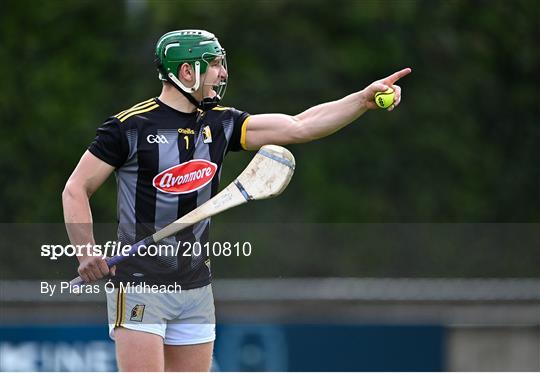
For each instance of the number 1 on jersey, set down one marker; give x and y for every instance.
(187, 142)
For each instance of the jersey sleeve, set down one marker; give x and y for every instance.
(238, 138)
(110, 144)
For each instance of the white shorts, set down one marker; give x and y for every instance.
(183, 318)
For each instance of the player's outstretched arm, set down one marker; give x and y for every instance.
(87, 177)
(321, 120)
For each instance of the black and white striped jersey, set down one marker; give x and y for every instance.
(167, 163)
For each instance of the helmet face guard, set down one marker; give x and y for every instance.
(198, 48)
(221, 87)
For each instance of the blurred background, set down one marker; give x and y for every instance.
(407, 241)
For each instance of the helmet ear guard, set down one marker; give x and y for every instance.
(173, 80)
(197, 84)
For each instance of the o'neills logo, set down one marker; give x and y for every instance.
(186, 177)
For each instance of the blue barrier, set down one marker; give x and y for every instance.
(56, 348)
(240, 347)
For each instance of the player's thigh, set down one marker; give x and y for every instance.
(192, 358)
(138, 351)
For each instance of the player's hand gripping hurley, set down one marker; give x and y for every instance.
(266, 176)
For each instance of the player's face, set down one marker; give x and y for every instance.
(215, 74)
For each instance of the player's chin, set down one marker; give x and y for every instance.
(211, 93)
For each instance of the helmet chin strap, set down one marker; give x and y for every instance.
(207, 103)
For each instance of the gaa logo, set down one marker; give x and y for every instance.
(156, 139)
(186, 177)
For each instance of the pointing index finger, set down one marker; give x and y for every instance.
(391, 79)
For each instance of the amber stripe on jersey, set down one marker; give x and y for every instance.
(132, 113)
(136, 106)
(221, 108)
(243, 133)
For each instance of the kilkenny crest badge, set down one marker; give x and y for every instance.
(137, 313)
(207, 135)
